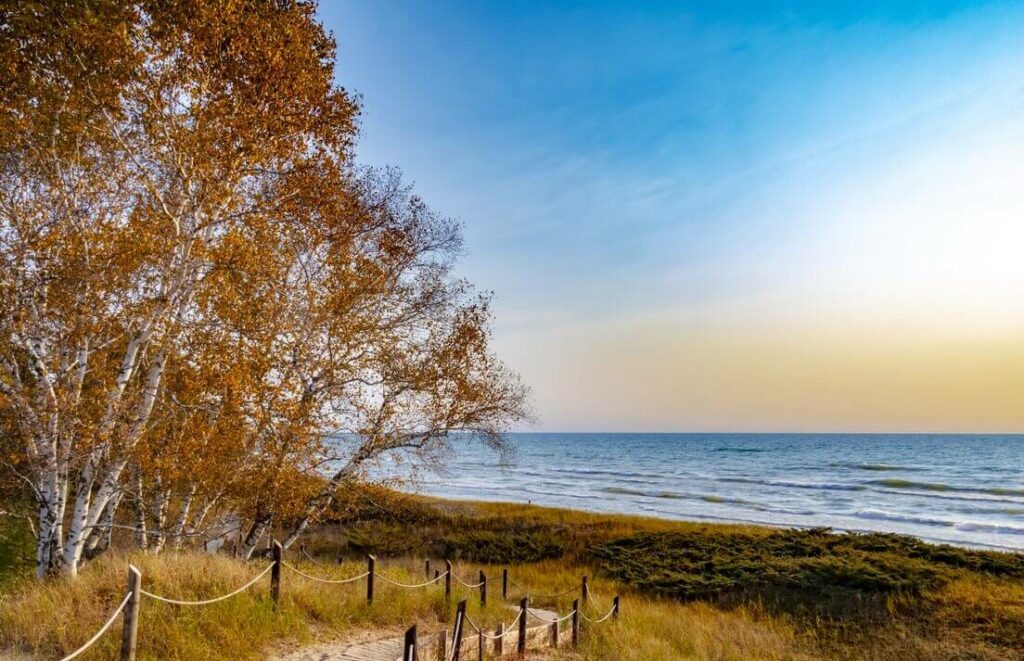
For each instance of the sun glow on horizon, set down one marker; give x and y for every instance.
(808, 219)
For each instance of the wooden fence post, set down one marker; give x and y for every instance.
(371, 562)
(615, 607)
(499, 647)
(460, 616)
(585, 591)
(427, 568)
(523, 612)
(448, 580)
(575, 622)
(554, 634)
(504, 583)
(442, 645)
(409, 651)
(275, 574)
(483, 588)
(480, 645)
(130, 631)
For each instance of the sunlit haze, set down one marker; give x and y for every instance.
(723, 217)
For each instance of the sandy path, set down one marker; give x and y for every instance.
(380, 646)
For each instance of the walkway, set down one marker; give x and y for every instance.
(390, 649)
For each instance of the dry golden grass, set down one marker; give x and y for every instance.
(974, 614)
(47, 620)
(51, 619)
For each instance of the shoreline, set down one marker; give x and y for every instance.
(712, 520)
(940, 490)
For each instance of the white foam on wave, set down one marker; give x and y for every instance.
(998, 528)
(827, 486)
(882, 515)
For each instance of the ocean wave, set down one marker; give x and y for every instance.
(880, 468)
(881, 515)
(625, 491)
(1011, 511)
(828, 486)
(998, 528)
(709, 498)
(668, 495)
(739, 450)
(620, 474)
(961, 496)
(760, 507)
(895, 483)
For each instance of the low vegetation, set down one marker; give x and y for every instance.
(689, 591)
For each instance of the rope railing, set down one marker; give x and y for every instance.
(541, 595)
(303, 551)
(485, 643)
(505, 629)
(591, 599)
(332, 581)
(611, 611)
(206, 602)
(103, 629)
(129, 606)
(470, 586)
(533, 614)
(411, 586)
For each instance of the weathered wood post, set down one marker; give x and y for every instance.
(615, 607)
(480, 645)
(130, 631)
(437, 573)
(554, 634)
(585, 590)
(427, 568)
(442, 645)
(409, 652)
(499, 647)
(483, 588)
(575, 622)
(275, 574)
(447, 580)
(460, 616)
(504, 583)
(370, 565)
(523, 612)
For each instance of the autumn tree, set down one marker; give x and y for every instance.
(200, 290)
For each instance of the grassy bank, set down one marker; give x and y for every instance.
(689, 590)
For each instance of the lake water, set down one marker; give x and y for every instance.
(961, 489)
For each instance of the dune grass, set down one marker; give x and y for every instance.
(689, 591)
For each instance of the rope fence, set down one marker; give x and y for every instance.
(409, 586)
(523, 633)
(541, 595)
(207, 602)
(340, 581)
(128, 609)
(611, 612)
(103, 629)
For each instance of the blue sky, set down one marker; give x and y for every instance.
(723, 216)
